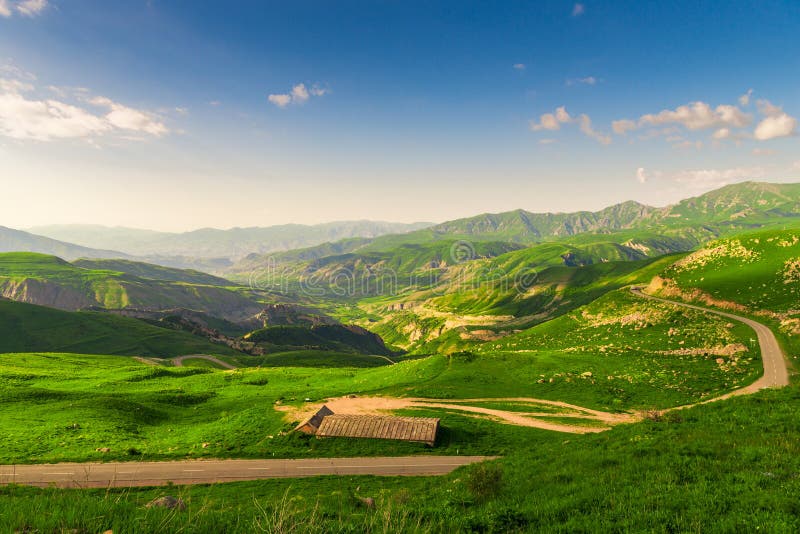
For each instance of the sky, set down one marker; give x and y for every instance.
(175, 115)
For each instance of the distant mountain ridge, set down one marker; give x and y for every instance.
(12, 240)
(732, 203)
(234, 243)
(645, 231)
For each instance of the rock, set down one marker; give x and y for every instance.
(205, 445)
(167, 501)
(369, 502)
(103, 449)
(587, 374)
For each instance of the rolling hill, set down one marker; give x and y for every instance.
(51, 281)
(30, 328)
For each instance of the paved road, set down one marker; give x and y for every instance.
(131, 474)
(178, 362)
(776, 373)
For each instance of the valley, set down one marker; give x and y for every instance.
(515, 346)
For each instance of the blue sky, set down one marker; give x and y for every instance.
(177, 115)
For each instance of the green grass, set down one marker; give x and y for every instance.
(760, 270)
(725, 467)
(61, 407)
(170, 412)
(29, 328)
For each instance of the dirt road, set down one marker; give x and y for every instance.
(776, 373)
(133, 474)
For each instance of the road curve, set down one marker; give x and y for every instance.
(776, 373)
(138, 474)
(178, 362)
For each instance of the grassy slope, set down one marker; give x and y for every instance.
(723, 467)
(757, 273)
(63, 285)
(618, 339)
(121, 404)
(30, 328)
(153, 272)
(526, 290)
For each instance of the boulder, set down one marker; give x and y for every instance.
(167, 501)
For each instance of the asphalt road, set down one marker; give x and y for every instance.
(133, 474)
(776, 373)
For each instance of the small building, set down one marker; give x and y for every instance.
(414, 429)
(310, 425)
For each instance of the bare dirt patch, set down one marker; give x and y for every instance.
(593, 420)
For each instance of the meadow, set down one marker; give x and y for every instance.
(723, 467)
(619, 353)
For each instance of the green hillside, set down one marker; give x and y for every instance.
(622, 232)
(29, 328)
(50, 281)
(152, 272)
(760, 270)
(324, 337)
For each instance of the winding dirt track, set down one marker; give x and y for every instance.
(178, 362)
(776, 372)
(775, 375)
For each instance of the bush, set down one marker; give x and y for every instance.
(485, 481)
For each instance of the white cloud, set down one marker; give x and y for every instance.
(281, 100)
(518, 66)
(622, 126)
(744, 100)
(768, 109)
(298, 95)
(578, 10)
(551, 121)
(589, 80)
(776, 122)
(28, 8)
(586, 128)
(796, 165)
(316, 90)
(722, 133)
(699, 116)
(546, 141)
(126, 118)
(641, 175)
(724, 119)
(32, 118)
(31, 8)
(774, 126)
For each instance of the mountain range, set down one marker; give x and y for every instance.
(215, 243)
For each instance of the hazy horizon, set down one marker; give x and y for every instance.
(335, 221)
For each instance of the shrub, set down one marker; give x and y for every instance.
(485, 481)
